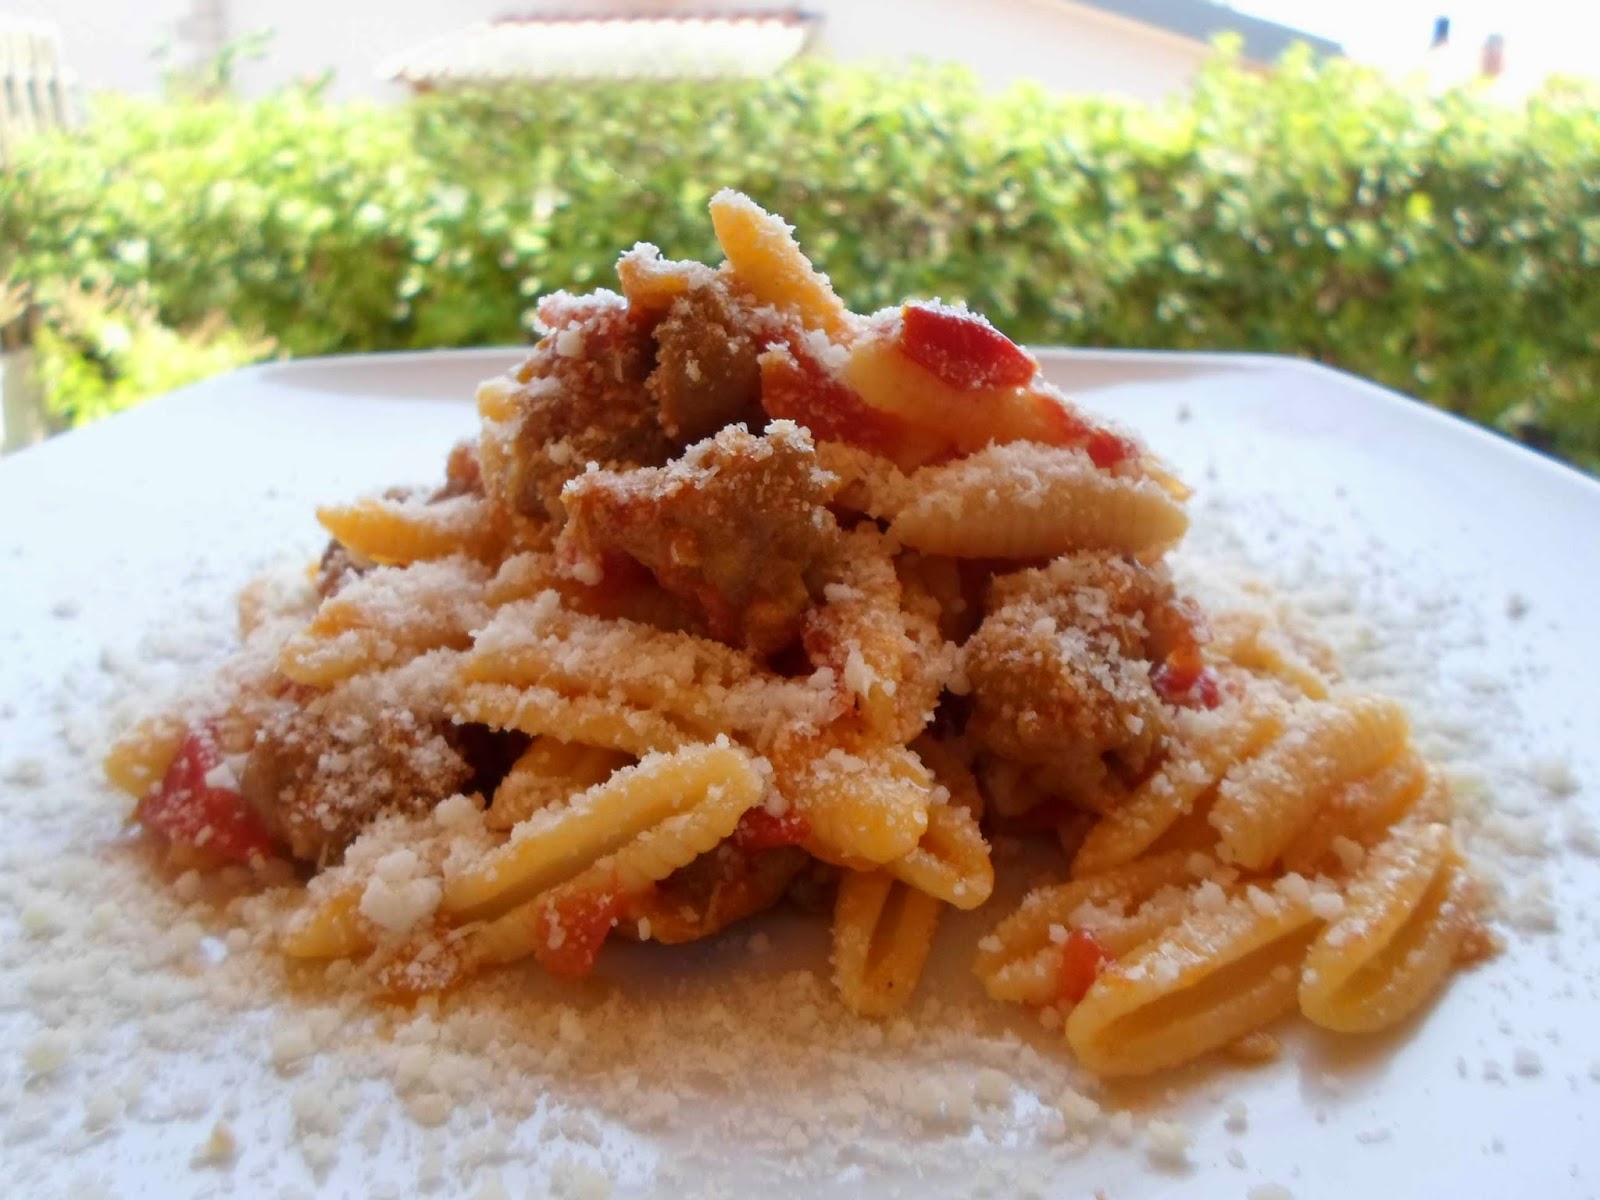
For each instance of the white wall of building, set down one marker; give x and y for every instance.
(1062, 45)
(110, 44)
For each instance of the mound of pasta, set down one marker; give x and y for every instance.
(741, 599)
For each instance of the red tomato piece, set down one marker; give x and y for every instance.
(760, 830)
(962, 349)
(1107, 449)
(572, 926)
(188, 811)
(1185, 681)
(1207, 689)
(1083, 957)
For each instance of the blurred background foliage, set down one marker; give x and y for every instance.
(1444, 245)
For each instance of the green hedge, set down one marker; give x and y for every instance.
(1445, 246)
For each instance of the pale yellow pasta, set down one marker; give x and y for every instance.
(882, 933)
(654, 854)
(1024, 500)
(497, 450)
(1435, 803)
(1019, 960)
(652, 283)
(1208, 980)
(951, 862)
(1034, 975)
(862, 807)
(588, 720)
(542, 642)
(518, 932)
(1406, 914)
(1360, 811)
(396, 532)
(139, 758)
(497, 398)
(681, 838)
(1191, 770)
(1263, 803)
(696, 683)
(525, 577)
(550, 771)
(887, 659)
(1256, 642)
(331, 929)
(385, 617)
(768, 261)
(557, 843)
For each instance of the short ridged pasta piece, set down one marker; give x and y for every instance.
(1019, 960)
(332, 929)
(683, 837)
(1026, 501)
(535, 924)
(550, 771)
(1361, 811)
(1191, 770)
(889, 662)
(1254, 641)
(140, 757)
(1406, 913)
(1208, 980)
(882, 933)
(531, 926)
(543, 643)
(768, 261)
(588, 720)
(696, 683)
(497, 398)
(862, 807)
(527, 575)
(951, 862)
(397, 532)
(1263, 803)
(639, 815)
(386, 617)
(652, 283)
(1435, 803)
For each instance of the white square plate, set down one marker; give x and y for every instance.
(1459, 569)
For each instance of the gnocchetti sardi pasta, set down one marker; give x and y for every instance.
(740, 598)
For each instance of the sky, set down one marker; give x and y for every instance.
(1540, 34)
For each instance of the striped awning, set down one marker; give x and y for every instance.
(721, 46)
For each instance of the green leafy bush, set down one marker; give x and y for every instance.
(1445, 246)
(100, 351)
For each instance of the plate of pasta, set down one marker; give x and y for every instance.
(790, 744)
